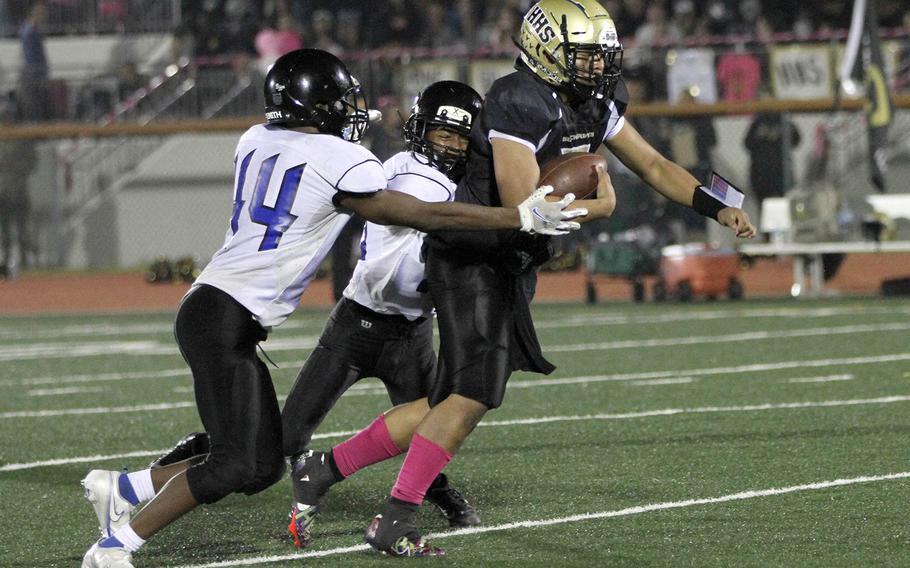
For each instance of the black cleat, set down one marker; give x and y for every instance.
(393, 532)
(453, 505)
(195, 444)
(311, 477)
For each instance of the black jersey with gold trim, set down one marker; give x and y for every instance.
(522, 108)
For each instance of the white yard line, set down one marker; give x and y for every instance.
(371, 388)
(17, 332)
(660, 382)
(731, 337)
(824, 379)
(548, 420)
(64, 350)
(533, 524)
(89, 329)
(708, 315)
(98, 410)
(65, 391)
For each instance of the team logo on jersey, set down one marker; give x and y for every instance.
(366, 324)
(538, 21)
(447, 112)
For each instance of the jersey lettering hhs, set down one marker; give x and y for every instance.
(285, 217)
(389, 272)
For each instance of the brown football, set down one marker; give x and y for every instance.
(572, 173)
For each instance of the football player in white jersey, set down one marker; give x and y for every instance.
(383, 326)
(295, 180)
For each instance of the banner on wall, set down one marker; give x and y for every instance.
(483, 72)
(417, 75)
(692, 68)
(802, 72)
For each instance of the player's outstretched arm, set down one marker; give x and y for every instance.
(673, 181)
(395, 208)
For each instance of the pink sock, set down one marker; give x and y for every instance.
(371, 445)
(421, 466)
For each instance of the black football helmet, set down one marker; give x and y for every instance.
(445, 104)
(311, 87)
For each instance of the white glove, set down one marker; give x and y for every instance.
(539, 216)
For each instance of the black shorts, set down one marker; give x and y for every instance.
(235, 397)
(357, 343)
(485, 326)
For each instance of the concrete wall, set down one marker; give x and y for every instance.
(177, 203)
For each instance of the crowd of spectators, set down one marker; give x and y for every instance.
(223, 26)
(253, 33)
(228, 26)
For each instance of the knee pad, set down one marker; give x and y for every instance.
(215, 479)
(266, 476)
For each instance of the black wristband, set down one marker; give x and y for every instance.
(704, 203)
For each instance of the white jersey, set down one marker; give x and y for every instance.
(285, 220)
(389, 271)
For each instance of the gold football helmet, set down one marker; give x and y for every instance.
(555, 32)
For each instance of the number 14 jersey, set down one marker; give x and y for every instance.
(285, 216)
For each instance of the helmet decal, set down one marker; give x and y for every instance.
(448, 112)
(447, 105)
(573, 46)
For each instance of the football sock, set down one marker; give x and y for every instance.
(421, 466)
(125, 537)
(371, 445)
(126, 489)
(139, 485)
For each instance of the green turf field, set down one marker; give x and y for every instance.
(714, 434)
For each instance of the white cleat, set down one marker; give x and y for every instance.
(103, 492)
(97, 557)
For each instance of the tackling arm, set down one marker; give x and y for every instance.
(533, 215)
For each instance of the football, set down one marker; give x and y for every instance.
(572, 173)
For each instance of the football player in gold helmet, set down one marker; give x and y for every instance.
(566, 95)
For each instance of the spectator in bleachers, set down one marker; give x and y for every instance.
(113, 13)
(349, 30)
(438, 28)
(34, 88)
(281, 37)
(686, 20)
(692, 141)
(771, 168)
(718, 17)
(323, 32)
(657, 29)
(503, 29)
(385, 139)
(752, 22)
(17, 161)
(631, 16)
(395, 23)
(7, 23)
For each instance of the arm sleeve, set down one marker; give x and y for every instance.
(366, 176)
(618, 105)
